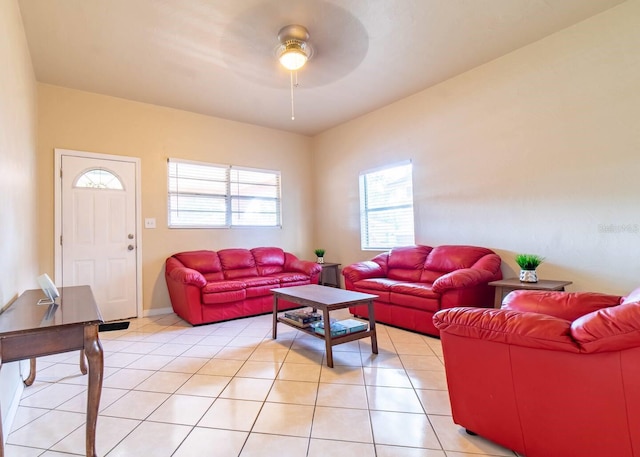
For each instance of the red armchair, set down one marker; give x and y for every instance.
(551, 374)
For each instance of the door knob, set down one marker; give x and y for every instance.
(130, 247)
(130, 236)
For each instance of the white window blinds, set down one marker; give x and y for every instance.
(206, 195)
(386, 207)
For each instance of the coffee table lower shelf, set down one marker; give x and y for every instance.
(326, 299)
(335, 340)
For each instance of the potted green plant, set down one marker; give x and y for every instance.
(320, 255)
(528, 264)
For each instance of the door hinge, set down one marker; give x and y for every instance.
(60, 240)
(61, 173)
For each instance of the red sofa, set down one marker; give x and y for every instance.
(551, 374)
(209, 286)
(413, 282)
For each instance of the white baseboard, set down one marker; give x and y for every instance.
(18, 372)
(157, 311)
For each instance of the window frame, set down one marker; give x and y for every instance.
(367, 209)
(231, 196)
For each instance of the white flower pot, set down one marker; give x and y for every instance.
(528, 276)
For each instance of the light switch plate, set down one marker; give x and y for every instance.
(150, 222)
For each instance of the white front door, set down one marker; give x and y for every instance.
(98, 231)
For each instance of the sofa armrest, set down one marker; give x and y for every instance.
(564, 305)
(363, 270)
(186, 275)
(292, 263)
(465, 277)
(530, 330)
(609, 329)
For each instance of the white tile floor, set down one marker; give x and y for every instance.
(228, 389)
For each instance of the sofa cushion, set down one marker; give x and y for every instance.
(376, 286)
(448, 258)
(223, 292)
(287, 278)
(202, 261)
(237, 263)
(268, 260)
(381, 284)
(224, 297)
(415, 289)
(415, 295)
(405, 263)
(261, 281)
(222, 286)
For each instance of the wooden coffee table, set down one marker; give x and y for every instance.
(326, 299)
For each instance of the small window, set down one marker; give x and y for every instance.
(98, 178)
(386, 207)
(205, 195)
(255, 197)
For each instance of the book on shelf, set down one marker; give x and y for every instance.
(336, 328)
(353, 325)
(294, 322)
(303, 317)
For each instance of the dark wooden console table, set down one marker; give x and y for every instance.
(28, 330)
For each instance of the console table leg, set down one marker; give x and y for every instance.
(83, 362)
(32, 373)
(95, 358)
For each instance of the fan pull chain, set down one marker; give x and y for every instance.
(293, 86)
(293, 114)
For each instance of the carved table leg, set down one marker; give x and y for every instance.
(83, 362)
(95, 358)
(32, 373)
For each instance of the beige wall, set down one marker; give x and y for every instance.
(83, 121)
(18, 116)
(535, 152)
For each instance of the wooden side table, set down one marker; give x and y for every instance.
(329, 276)
(504, 286)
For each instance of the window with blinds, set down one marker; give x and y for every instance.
(386, 207)
(206, 195)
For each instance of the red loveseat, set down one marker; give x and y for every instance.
(413, 282)
(551, 374)
(209, 286)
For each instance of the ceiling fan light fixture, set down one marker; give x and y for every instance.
(294, 50)
(293, 54)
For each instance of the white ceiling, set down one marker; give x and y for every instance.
(216, 57)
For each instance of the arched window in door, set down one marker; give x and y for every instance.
(98, 178)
